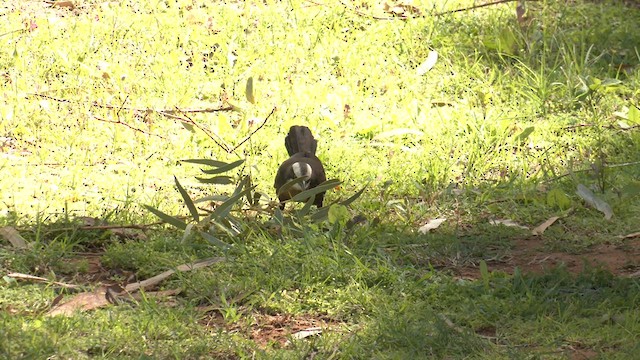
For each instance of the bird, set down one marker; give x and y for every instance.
(302, 162)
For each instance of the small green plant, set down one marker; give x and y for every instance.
(221, 223)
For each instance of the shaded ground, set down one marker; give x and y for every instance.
(276, 330)
(531, 256)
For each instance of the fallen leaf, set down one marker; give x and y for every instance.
(538, 230)
(127, 233)
(158, 278)
(28, 277)
(507, 222)
(307, 332)
(13, 236)
(302, 334)
(68, 4)
(81, 302)
(591, 199)
(630, 236)
(428, 64)
(431, 225)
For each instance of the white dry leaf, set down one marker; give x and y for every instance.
(306, 333)
(12, 235)
(428, 64)
(431, 225)
(590, 198)
(507, 222)
(630, 236)
(538, 230)
(302, 334)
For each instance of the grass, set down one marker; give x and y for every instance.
(512, 117)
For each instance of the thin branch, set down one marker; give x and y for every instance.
(475, 7)
(39, 279)
(160, 111)
(118, 122)
(12, 31)
(188, 120)
(254, 131)
(106, 227)
(584, 125)
(169, 113)
(375, 17)
(122, 106)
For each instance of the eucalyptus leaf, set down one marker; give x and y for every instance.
(219, 180)
(327, 185)
(590, 198)
(224, 168)
(307, 206)
(187, 200)
(214, 240)
(354, 197)
(187, 233)
(167, 218)
(223, 210)
(216, 197)
(187, 126)
(284, 188)
(208, 162)
(249, 90)
(243, 184)
(321, 215)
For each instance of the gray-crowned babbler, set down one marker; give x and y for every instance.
(302, 162)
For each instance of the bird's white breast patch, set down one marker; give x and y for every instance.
(301, 169)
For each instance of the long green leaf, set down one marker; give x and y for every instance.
(327, 185)
(220, 180)
(167, 218)
(307, 206)
(248, 90)
(215, 241)
(354, 197)
(187, 200)
(223, 210)
(216, 198)
(243, 184)
(209, 162)
(284, 188)
(321, 215)
(224, 168)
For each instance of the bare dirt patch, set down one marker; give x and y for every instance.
(268, 330)
(532, 256)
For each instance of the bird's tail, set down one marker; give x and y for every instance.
(299, 140)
